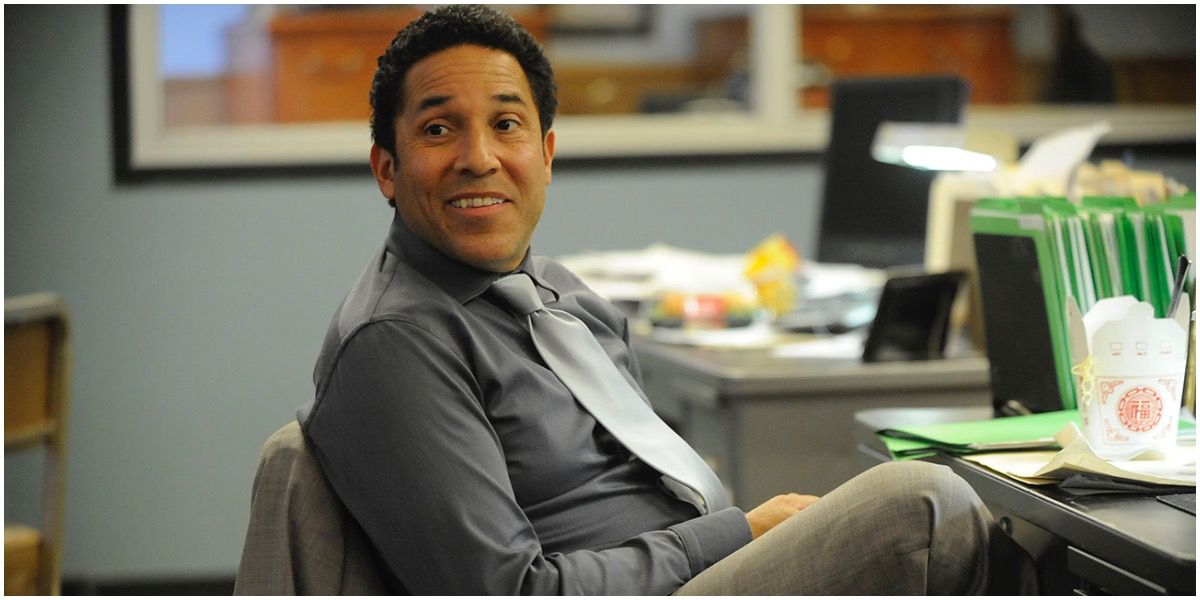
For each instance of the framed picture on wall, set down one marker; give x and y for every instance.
(601, 19)
(221, 88)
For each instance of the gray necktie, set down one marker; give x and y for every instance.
(572, 352)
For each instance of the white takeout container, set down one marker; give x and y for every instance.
(1130, 369)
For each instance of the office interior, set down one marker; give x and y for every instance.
(198, 300)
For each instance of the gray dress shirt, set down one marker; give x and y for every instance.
(470, 466)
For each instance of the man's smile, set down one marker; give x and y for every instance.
(476, 202)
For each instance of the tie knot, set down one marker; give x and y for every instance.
(518, 291)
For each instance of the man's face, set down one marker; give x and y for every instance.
(471, 167)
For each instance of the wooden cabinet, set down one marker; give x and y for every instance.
(324, 59)
(840, 41)
(973, 42)
(621, 89)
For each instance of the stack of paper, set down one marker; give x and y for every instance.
(636, 275)
(1076, 457)
(973, 440)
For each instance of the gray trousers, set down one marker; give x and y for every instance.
(899, 528)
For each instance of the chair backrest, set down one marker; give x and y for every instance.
(873, 213)
(36, 370)
(301, 539)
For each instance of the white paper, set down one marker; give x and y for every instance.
(642, 274)
(1177, 467)
(1050, 161)
(822, 280)
(759, 334)
(847, 345)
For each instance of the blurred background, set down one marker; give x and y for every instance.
(199, 300)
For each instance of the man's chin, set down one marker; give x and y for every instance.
(497, 260)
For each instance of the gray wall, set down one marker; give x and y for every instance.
(199, 306)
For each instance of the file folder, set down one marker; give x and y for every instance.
(988, 435)
(1035, 256)
(1021, 264)
(958, 438)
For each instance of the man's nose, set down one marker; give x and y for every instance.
(477, 154)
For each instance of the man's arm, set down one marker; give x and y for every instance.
(406, 444)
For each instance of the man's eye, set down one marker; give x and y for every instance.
(507, 125)
(436, 130)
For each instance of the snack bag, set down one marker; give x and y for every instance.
(771, 267)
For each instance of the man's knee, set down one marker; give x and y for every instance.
(917, 475)
(937, 509)
(917, 483)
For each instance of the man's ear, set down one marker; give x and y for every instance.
(548, 152)
(383, 165)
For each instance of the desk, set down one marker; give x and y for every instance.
(771, 425)
(1113, 543)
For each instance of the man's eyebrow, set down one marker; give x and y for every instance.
(509, 98)
(432, 101)
(435, 101)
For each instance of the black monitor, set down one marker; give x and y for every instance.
(913, 318)
(874, 213)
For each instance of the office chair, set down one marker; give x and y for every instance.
(301, 539)
(872, 213)
(36, 370)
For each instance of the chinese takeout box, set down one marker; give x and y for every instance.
(1129, 368)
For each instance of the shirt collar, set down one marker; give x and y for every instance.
(460, 280)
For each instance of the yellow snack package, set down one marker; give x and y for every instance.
(771, 267)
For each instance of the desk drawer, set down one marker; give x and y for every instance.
(1101, 576)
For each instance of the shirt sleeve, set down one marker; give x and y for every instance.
(403, 438)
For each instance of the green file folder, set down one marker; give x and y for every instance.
(956, 438)
(987, 435)
(1049, 252)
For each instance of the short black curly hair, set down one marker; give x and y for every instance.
(446, 27)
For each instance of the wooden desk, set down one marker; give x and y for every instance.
(771, 425)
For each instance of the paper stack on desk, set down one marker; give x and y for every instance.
(972, 441)
(1176, 468)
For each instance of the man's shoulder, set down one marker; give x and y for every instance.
(392, 298)
(388, 289)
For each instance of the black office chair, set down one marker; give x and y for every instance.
(874, 213)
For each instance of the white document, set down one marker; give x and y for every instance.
(846, 345)
(1178, 468)
(1050, 161)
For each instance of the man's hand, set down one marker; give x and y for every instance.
(773, 512)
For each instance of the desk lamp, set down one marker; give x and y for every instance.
(942, 147)
(971, 163)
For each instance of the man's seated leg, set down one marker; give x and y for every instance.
(899, 528)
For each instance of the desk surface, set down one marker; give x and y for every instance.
(1135, 532)
(756, 372)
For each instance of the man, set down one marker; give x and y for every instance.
(467, 460)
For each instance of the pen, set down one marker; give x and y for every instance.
(1181, 274)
